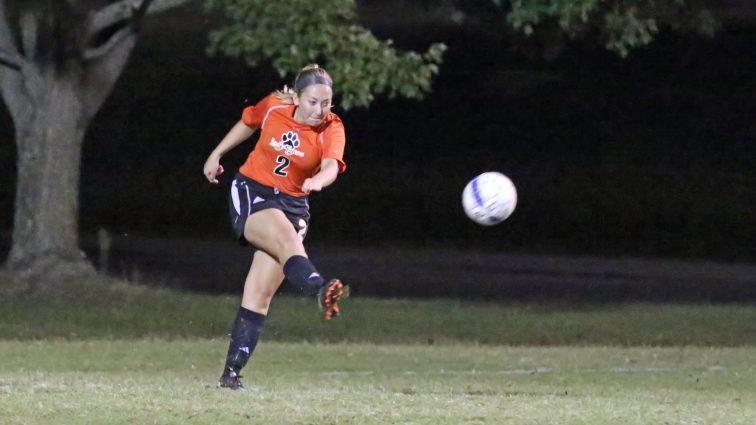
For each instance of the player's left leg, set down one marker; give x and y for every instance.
(329, 296)
(271, 231)
(264, 277)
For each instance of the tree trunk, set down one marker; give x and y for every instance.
(49, 141)
(58, 63)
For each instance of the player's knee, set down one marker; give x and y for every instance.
(288, 243)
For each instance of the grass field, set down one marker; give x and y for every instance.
(113, 353)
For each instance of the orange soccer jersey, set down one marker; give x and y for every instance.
(288, 152)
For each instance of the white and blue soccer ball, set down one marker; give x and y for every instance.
(489, 198)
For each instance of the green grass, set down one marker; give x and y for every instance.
(115, 310)
(114, 353)
(172, 382)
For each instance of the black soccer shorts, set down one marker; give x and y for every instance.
(248, 196)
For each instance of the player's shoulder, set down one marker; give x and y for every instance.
(271, 101)
(332, 121)
(270, 106)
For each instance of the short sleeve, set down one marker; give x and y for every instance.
(334, 141)
(253, 116)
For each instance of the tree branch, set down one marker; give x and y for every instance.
(115, 13)
(13, 71)
(104, 68)
(114, 40)
(29, 26)
(10, 60)
(6, 36)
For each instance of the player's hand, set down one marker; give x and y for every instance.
(212, 169)
(312, 185)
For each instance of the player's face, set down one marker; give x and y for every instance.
(313, 104)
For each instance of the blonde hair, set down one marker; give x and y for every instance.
(307, 76)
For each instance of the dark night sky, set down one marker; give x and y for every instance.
(647, 156)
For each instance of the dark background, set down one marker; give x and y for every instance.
(650, 156)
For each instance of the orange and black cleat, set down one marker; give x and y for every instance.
(330, 295)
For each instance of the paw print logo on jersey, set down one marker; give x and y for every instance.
(289, 143)
(290, 140)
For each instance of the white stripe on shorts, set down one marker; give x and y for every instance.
(235, 197)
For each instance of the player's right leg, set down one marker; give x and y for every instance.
(264, 278)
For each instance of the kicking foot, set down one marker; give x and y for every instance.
(330, 295)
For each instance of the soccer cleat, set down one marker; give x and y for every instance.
(230, 380)
(330, 295)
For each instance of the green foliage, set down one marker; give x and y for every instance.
(294, 33)
(623, 25)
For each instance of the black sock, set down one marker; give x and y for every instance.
(244, 335)
(302, 274)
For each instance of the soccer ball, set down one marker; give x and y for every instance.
(489, 198)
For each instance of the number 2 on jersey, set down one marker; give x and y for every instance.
(283, 164)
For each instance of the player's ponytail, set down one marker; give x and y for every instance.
(307, 76)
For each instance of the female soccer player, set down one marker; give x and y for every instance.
(300, 150)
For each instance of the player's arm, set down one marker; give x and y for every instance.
(238, 133)
(329, 169)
